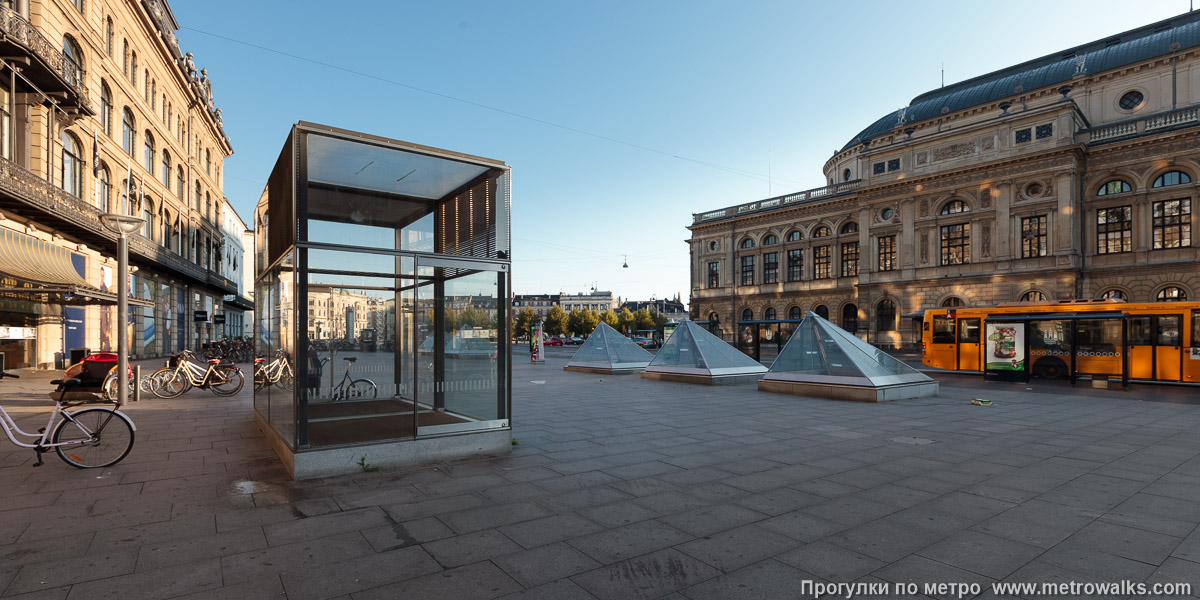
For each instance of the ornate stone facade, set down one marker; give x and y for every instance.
(1085, 188)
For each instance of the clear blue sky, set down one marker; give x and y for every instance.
(619, 119)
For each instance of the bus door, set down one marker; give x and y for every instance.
(942, 350)
(1191, 362)
(969, 348)
(1168, 347)
(1155, 347)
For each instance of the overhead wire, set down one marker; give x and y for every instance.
(733, 170)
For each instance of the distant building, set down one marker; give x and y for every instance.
(594, 300)
(671, 309)
(1071, 176)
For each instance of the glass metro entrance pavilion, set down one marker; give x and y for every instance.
(381, 303)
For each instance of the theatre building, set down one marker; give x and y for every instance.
(1069, 176)
(100, 112)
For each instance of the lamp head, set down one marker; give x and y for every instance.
(121, 224)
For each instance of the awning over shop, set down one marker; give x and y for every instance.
(45, 273)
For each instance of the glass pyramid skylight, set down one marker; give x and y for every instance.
(821, 352)
(694, 351)
(608, 349)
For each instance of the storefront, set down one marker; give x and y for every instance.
(380, 299)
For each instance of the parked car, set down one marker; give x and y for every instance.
(553, 341)
(647, 343)
(574, 340)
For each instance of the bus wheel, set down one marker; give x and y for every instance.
(1050, 368)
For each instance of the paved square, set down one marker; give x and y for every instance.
(623, 488)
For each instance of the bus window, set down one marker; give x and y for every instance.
(1098, 337)
(1139, 331)
(943, 330)
(1049, 335)
(1196, 328)
(1168, 330)
(968, 331)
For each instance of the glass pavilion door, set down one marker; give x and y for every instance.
(460, 329)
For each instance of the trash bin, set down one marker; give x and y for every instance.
(78, 354)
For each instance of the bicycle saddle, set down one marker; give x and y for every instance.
(66, 382)
(350, 358)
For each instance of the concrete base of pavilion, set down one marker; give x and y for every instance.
(312, 463)
(703, 379)
(901, 391)
(605, 370)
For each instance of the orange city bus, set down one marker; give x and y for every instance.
(1151, 341)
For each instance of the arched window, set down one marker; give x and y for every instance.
(821, 231)
(1172, 178)
(133, 68)
(1113, 295)
(108, 36)
(1172, 294)
(208, 206)
(150, 153)
(1033, 296)
(794, 313)
(714, 317)
(846, 175)
(199, 197)
(952, 302)
(104, 188)
(794, 236)
(1116, 186)
(770, 240)
(148, 217)
(166, 229)
(208, 161)
(179, 180)
(850, 317)
(822, 311)
(769, 314)
(128, 131)
(166, 169)
(125, 57)
(72, 59)
(747, 315)
(885, 316)
(850, 227)
(954, 207)
(78, 5)
(72, 165)
(105, 109)
(747, 243)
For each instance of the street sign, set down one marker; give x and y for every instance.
(219, 319)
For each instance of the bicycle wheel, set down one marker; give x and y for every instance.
(361, 389)
(105, 438)
(231, 381)
(287, 381)
(176, 384)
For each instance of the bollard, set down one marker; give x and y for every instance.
(137, 383)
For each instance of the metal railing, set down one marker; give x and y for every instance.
(805, 196)
(16, 29)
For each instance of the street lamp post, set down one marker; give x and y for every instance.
(122, 225)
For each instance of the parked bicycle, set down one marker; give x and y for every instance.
(86, 438)
(223, 379)
(352, 389)
(230, 350)
(277, 372)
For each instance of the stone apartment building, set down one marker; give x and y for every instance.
(101, 111)
(1074, 175)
